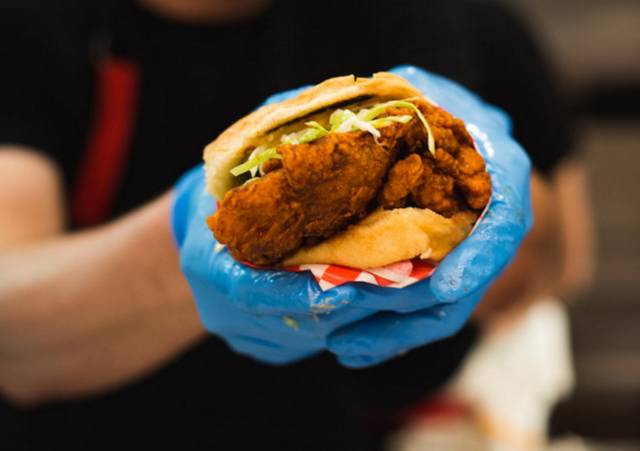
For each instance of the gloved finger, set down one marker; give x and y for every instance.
(454, 98)
(411, 298)
(222, 318)
(480, 258)
(392, 333)
(181, 204)
(306, 328)
(282, 312)
(341, 298)
(280, 292)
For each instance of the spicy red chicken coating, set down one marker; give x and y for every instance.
(319, 188)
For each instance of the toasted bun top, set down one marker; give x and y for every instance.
(261, 126)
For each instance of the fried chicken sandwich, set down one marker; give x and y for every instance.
(360, 172)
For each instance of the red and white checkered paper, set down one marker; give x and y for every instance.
(395, 275)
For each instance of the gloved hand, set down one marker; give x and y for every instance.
(273, 316)
(463, 276)
(279, 317)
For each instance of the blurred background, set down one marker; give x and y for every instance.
(595, 49)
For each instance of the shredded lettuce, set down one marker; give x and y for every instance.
(254, 170)
(377, 110)
(337, 118)
(317, 126)
(340, 121)
(367, 120)
(348, 121)
(255, 161)
(307, 135)
(385, 121)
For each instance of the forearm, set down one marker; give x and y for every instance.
(102, 362)
(92, 292)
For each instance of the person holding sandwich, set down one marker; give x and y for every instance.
(122, 324)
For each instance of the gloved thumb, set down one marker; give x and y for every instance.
(191, 182)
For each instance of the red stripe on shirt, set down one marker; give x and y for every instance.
(108, 144)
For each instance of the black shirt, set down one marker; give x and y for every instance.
(195, 81)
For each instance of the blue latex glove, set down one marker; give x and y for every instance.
(279, 317)
(273, 316)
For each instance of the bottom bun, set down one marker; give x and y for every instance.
(389, 236)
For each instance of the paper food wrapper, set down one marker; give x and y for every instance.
(395, 275)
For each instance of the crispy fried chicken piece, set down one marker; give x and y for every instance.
(321, 188)
(437, 191)
(473, 179)
(408, 138)
(335, 178)
(457, 157)
(260, 221)
(270, 165)
(476, 189)
(452, 180)
(404, 177)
